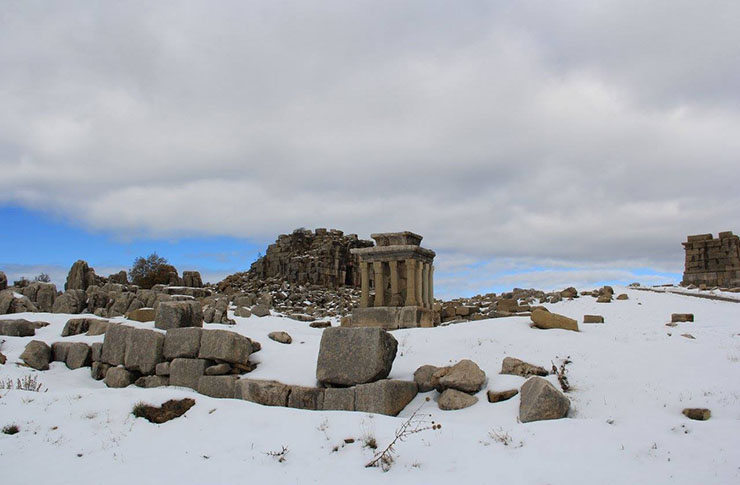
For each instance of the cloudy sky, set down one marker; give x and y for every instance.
(532, 143)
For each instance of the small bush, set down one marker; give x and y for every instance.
(43, 278)
(25, 383)
(170, 410)
(11, 429)
(150, 271)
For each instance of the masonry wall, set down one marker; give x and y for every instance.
(712, 261)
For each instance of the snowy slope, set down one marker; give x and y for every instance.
(631, 378)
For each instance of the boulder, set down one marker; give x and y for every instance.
(144, 350)
(218, 386)
(541, 400)
(699, 414)
(178, 314)
(452, 399)
(3, 281)
(59, 351)
(41, 294)
(114, 344)
(182, 342)
(78, 355)
(77, 326)
(267, 393)
(517, 367)
(384, 397)
(498, 396)
(507, 305)
(546, 320)
(192, 279)
(80, 276)
(311, 398)
(187, 372)
(118, 377)
(11, 303)
(281, 337)
(141, 315)
(623, 296)
(98, 327)
(17, 328)
(225, 346)
(606, 298)
(339, 399)
(320, 324)
(219, 370)
(260, 310)
(37, 354)
(569, 292)
(682, 317)
(593, 319)
(96, 351)
(121, 278)
(71, 301)
(149, 382)
(122, 303)
(98, 370)
(423, 377)
(349, 356)
(464, 376)
(243, 312)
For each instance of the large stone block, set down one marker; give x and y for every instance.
(225, 346)
(37, 354)
(182, 342)
(144, 350)
(517, 367)
(178, 314)
(96, 351)
(142, 315)
(118, 377)
(339, 399)
(306, 398)
(114, 344)
(59, 351)
(17, 328)
(267, 393)
(465, 376)
(78, 355)
(390, 318)
(218, 386)
(349, 356)
(451, 400)
(187, 372)
(541, 400)
(384, 397)
(546, 320)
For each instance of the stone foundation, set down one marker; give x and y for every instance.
(391, 318)
(712, 262)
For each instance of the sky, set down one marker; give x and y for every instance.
(532, 144)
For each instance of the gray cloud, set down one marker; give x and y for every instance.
(592, 132)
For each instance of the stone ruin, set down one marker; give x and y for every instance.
(304, 257)
(402, 282)
(712, 262)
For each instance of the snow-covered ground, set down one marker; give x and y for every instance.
(631, 378)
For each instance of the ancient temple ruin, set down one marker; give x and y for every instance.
(400, 275)
(712, 262)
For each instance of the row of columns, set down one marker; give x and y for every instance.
(419, 283)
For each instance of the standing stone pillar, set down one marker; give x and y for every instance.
(419, 300)
(379, 283)
(411, 282)
(425, 285)
(395, 295)
(431, 286)
(365, 284)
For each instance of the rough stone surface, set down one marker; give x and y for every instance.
(78, 355)
(96, 351)
(118, 377)
(698, 414)
(219, 370)
(114, 344)
(182, 342)
(225, 346)
(311, 398)
(178, 314)
(59, 351)
(546, 320)
(41, 294)
(593, 319)
(349, 356)
(76, 326)
(98, 327)
(514, 366)
(3, 281)
(80, 276)
(498, 396)
(540, 400)
(17, 328)
(423, 377)
(268, 393)
(623, 296)
(243, 312)
(152, 381)
(142, 315)
(451, 400)
(218, 386)
(10, 303)
(37, 354)
(260, 310)
(384, 397)
(162, 369)
(339, 399)
(682, 317)
(98, 370)
(464, 376)
(281, 337)
(192, 279)
(71, 301)
(144, 350)
(187, 372)
(712, 261)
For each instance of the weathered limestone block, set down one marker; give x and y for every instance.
(141, 315)
(339, 399)
(311, 398)
(144, 350)
(37, 354)
(78, 355)
(149, 382)
(178, 314)
(243, 312)
(114, 344)
(452, 399)
(267, 393)
(498, 396)
(96, 351)
(162, 369)
(187, 372)
(219, 370)
(3, 281)
(17, 328)
(546, 320)
(225, 346)
(260, 310)
(192, 279)
(464, 376)
(514, 366)
(541, 400)
(71, 301)
(59, 351)
(349, 356)
(121, 304)
(423, 377)
(281, 337)
(118, 377)
(41, 294)
(218, 386)
(80, 276)
(682, 317)
(593, 319)
(76, 326)
(98, 370)
(182, 342)
(98, 327)
(384, 397)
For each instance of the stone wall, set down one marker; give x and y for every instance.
(320, 257)
(712, 261)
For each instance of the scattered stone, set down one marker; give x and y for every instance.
(225, 346)
(514, 366)
(384, 397)
(423, 377)
(349, 356)
(281, 337)
(219, 370)
(593, 319)
(688, 335)
(3, 359)
(149, 382)
(178, 314)
(671, 324)
(498, 396)
(546, 320)
(37, 355)
(59, 351)
(260, 310)
(144, 350)
(98, 370)
(606, 298)
(452, 399)
(699, 414)
(243, 312)
(311, 398)
(17, 328)
(540, 400)
(187, 372)
(11, 303)
(182, 342)
(623, 296)
(267, 393)
(464, 376)
(142, 315)
(682, 317)
(170, 410)
(119, 377)
(569, 292)
(218, 386)
(319, 324)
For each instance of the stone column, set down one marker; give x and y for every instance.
(419, 273)
(425, 284)
(365, 285)
(379, 283)
(411, 282)
(395, 295)
(431, 286)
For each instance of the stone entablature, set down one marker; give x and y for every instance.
(712, 262)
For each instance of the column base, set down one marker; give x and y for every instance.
(390, 318)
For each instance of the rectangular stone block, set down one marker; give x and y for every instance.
(384, 397)
(182, 342)
(265, 392)
(78, 355)
(114, 344)
(178, 314)
(225, 346)
(96, 350)
(144, 350)
(306, 398)
(187, 372)
(339, 399)
(218, 386)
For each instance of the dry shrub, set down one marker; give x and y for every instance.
(172, 409)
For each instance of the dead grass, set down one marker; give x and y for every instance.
(171, 409)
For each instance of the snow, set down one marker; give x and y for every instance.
(631, 378)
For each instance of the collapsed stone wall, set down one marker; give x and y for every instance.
(712, 261)
(320, 257)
